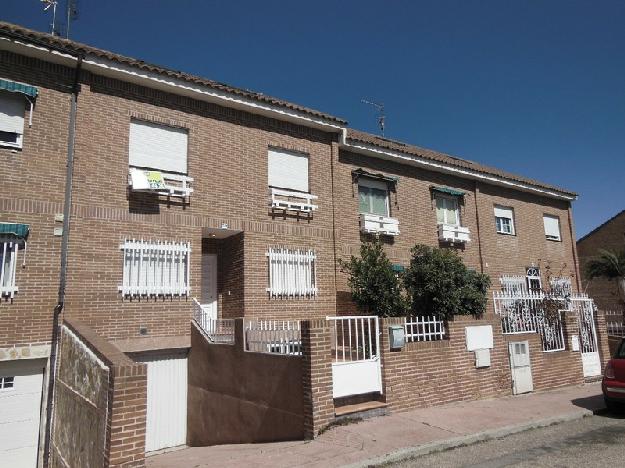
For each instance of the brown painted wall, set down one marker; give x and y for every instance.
(241, 397)
(98, 420)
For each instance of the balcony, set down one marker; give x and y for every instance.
(375, 224)
(453, 234)
(160, 183)
(288, 200)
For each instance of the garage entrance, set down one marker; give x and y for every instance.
(21, 384)
(166, 424)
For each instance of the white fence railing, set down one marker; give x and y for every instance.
(354, 338)
(616, 329)
(273, 337)
(424, 329)
(216, 330)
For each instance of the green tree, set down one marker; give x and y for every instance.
(374, 285)
(610, 265)
(438, 283)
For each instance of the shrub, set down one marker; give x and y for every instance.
(374, 285)
(438, 283)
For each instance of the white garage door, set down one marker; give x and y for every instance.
(20, 408)
(167, 401)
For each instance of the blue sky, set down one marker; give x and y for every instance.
(534, 87)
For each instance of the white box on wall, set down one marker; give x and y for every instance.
(482, 358)
(480, 337)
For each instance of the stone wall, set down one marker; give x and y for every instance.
(99, 403)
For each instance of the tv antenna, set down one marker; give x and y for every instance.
(381, 116)
(47, 4)
(72, 14)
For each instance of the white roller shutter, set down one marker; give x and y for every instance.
(12, 107)
(503, 212)
(158, 147)
(288, 170)
(552, 227)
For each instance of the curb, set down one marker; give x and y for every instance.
(442, 445)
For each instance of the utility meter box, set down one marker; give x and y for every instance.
(397, 336)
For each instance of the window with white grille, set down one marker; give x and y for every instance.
(8, 266)
(12, 106)
(155, 268)
(560, 285)
(292, 272)
(534, 283)
(552, 227)
(513, 284)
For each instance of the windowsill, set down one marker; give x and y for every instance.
(553, 240)
(511, 234)
(375, 214)
(289, 190)
(11, 146)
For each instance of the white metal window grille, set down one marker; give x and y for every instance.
(292, 272)
(447, 210)
(273, 336)
(534, 283)
(155, 268)
(8, 267)
(560, 285)
(513, 284)
(156, 146)
(12, 107)
(373, 196)
(287, 170)
(504, 220)
(552, 227)
(6, 382)
(424, 329)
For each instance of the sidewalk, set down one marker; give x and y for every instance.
(401, 435)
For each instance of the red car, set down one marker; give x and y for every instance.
(613, 383)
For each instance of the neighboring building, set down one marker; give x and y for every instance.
(609, 236)
(185, 189)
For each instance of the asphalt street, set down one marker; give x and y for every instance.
(596, 441)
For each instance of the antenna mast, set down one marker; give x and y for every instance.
(72, 14)
(47, 5)
(381, 115)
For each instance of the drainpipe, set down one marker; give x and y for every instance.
(576, 265)
(69, 175)
(476, 191)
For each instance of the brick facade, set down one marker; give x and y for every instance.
(610, 236)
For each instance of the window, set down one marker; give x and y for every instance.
(504, 220)
(7, 382)
(158, 147)
(8, 266)
(292, 272)
(287, 170)
(560, 285)
(373, 196)
(534, 283)
(552, 227)
(155, 268)
(514, 285)
(447, 210)
(12, 107)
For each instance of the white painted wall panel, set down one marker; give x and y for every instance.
(20, 409)
(166, 424)
(356, 378)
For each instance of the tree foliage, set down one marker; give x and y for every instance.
(610, 265)
(438, 283)
(374, 285)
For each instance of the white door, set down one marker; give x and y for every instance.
(166, 424)
(208, 297)
(21, 383)
(520, 365)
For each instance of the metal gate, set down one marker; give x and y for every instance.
(356, 355)
(591, 362)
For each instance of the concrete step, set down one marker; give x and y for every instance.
(363, 410)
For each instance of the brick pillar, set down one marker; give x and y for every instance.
(127, 418)
(603, 343)
(316, 376)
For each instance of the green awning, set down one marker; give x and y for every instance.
(398, 268)
(16, 229)
(14, 87)
(356, 173)
(449, 191)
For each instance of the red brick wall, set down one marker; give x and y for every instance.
(610, 236)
